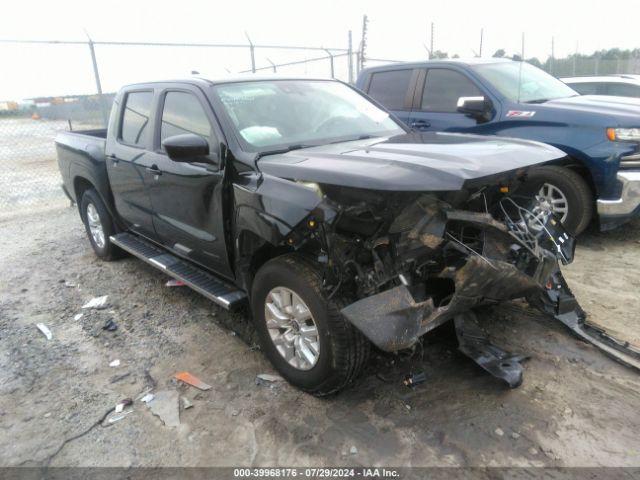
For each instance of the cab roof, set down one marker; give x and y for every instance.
(204, 81)
(441, 62)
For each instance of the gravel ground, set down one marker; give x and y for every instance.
(575, 408)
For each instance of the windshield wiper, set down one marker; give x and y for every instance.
(282, 150)
(361, 137)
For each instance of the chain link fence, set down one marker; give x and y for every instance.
(67, 75)
(69, 78)
(29, 174)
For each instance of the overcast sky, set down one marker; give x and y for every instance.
(397, 30)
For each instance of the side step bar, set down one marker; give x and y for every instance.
(199, 280)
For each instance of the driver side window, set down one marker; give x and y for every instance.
(443, 87)
(182, 113)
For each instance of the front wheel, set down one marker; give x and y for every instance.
(301, 331)
(563, 192)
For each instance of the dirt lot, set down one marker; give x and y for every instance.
(575, 408)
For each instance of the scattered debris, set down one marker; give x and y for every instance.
(164, 405)
(186, 403)
(45, 331)
(498, 431)
(115, 363)
(353, 450)
(147, 398)
(97, 303)
(110, 325)
(473, 342)
(123, 403)
(412, 380)
(174, 283)
(189, 379)
(515, 435)
(116, 417)
(117, 378)
(268, 377)
(78, 316)
(533, 451)
(70, 284)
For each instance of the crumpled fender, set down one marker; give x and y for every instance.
(263, 209)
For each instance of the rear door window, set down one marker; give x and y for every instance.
(390, 88)
(135, 118)
(442, 89)
(586, 88)
(622, 90)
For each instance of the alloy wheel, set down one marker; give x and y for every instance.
(95, 225)
(292, 328)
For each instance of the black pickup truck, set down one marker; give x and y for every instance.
(316, 208)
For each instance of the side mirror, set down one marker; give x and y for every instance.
(476, 107)
(187, 148)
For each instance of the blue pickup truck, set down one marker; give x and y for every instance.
(600, 135)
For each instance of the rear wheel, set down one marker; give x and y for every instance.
(301, 331)
(99, 225)
(563, 192)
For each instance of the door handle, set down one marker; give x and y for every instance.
(113, 159)
(419, 124)
(154, 169)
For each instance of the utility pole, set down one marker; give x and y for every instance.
(481, 37)
(575, 58)
(431, 44)
(350, 54)
(331, 66)
(522, 49)
(253, 55)
(96, 74)
(552, 60)
(363, 42)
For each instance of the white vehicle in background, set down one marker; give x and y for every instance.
(617, 85)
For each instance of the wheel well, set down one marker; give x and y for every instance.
(253, 253)
(81, 185)
(578, 167)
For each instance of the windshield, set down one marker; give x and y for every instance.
(280, 114)
(529, 85)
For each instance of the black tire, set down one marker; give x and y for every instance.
(580, 199)
(343, 349)
(108, 251)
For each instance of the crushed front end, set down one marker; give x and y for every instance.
(405, 263)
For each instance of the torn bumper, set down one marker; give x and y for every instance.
(393, 320)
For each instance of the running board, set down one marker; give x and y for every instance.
(199, 280)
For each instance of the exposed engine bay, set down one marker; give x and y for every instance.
(405, 263)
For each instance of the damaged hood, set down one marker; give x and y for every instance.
(411, 162)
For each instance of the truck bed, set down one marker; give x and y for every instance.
(81, 153)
